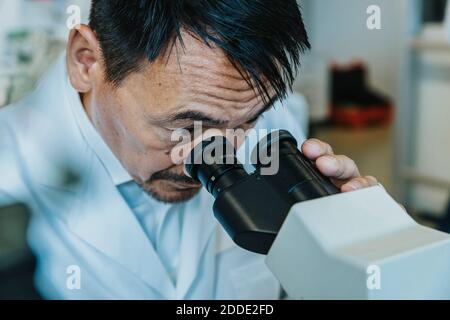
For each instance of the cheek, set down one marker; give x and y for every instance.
(140, 149)
(143, 149)
(146, 154)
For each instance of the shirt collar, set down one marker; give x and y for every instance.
(112, 165)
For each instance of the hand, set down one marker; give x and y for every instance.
(341, 169)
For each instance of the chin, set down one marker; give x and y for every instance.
(168, 192)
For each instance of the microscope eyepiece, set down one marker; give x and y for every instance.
(295, 174)
(213, 162)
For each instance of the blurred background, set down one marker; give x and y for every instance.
(378, 91)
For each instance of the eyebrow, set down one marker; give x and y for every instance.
(207, 120)
(197, 116)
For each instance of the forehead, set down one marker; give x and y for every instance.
(192, 76)
(208, 65)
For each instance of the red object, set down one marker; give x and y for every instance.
(353, 102)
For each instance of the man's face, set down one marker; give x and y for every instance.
(188, 84)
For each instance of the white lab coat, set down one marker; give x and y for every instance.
(88, 224)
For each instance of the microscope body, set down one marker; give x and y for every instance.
(359, 245)
(320, 243)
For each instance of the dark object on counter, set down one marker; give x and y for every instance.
(433, 11)
(441, 222)
(253, 207)
(16, 282)
(17, 263)
(353, 102)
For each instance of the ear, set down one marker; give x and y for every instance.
(83, 58)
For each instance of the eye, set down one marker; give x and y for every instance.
(254, 120)
(181, 130)
(190, 129)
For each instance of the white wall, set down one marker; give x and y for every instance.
(338, 31)
(432, 151)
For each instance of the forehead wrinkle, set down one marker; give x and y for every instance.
(200, 55)
(221, 92)
(222, 100)
(218, 76)
(226, 110)
(227, 104)
(236, 113)
(227, 82)
(221, 88)
(204, 78)
(217, 71)
(225, 99)
(212, 67)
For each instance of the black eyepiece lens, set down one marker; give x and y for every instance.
(213, 162)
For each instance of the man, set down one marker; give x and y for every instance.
(89, 151)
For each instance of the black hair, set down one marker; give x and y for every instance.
(263, 39)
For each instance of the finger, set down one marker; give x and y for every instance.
(372, 180)
(314, 148)
(359, 183)
(337, 167)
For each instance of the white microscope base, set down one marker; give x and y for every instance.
(359, 245)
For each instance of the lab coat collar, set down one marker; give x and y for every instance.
(103, 219)
(198, 232)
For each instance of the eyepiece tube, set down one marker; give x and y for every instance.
(213, 162)
(248, 208)
(296, 175)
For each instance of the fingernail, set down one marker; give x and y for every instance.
(354, 185)
(372, 180)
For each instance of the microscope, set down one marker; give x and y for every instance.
(320, 243)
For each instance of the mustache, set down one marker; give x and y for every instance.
(173, 177)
